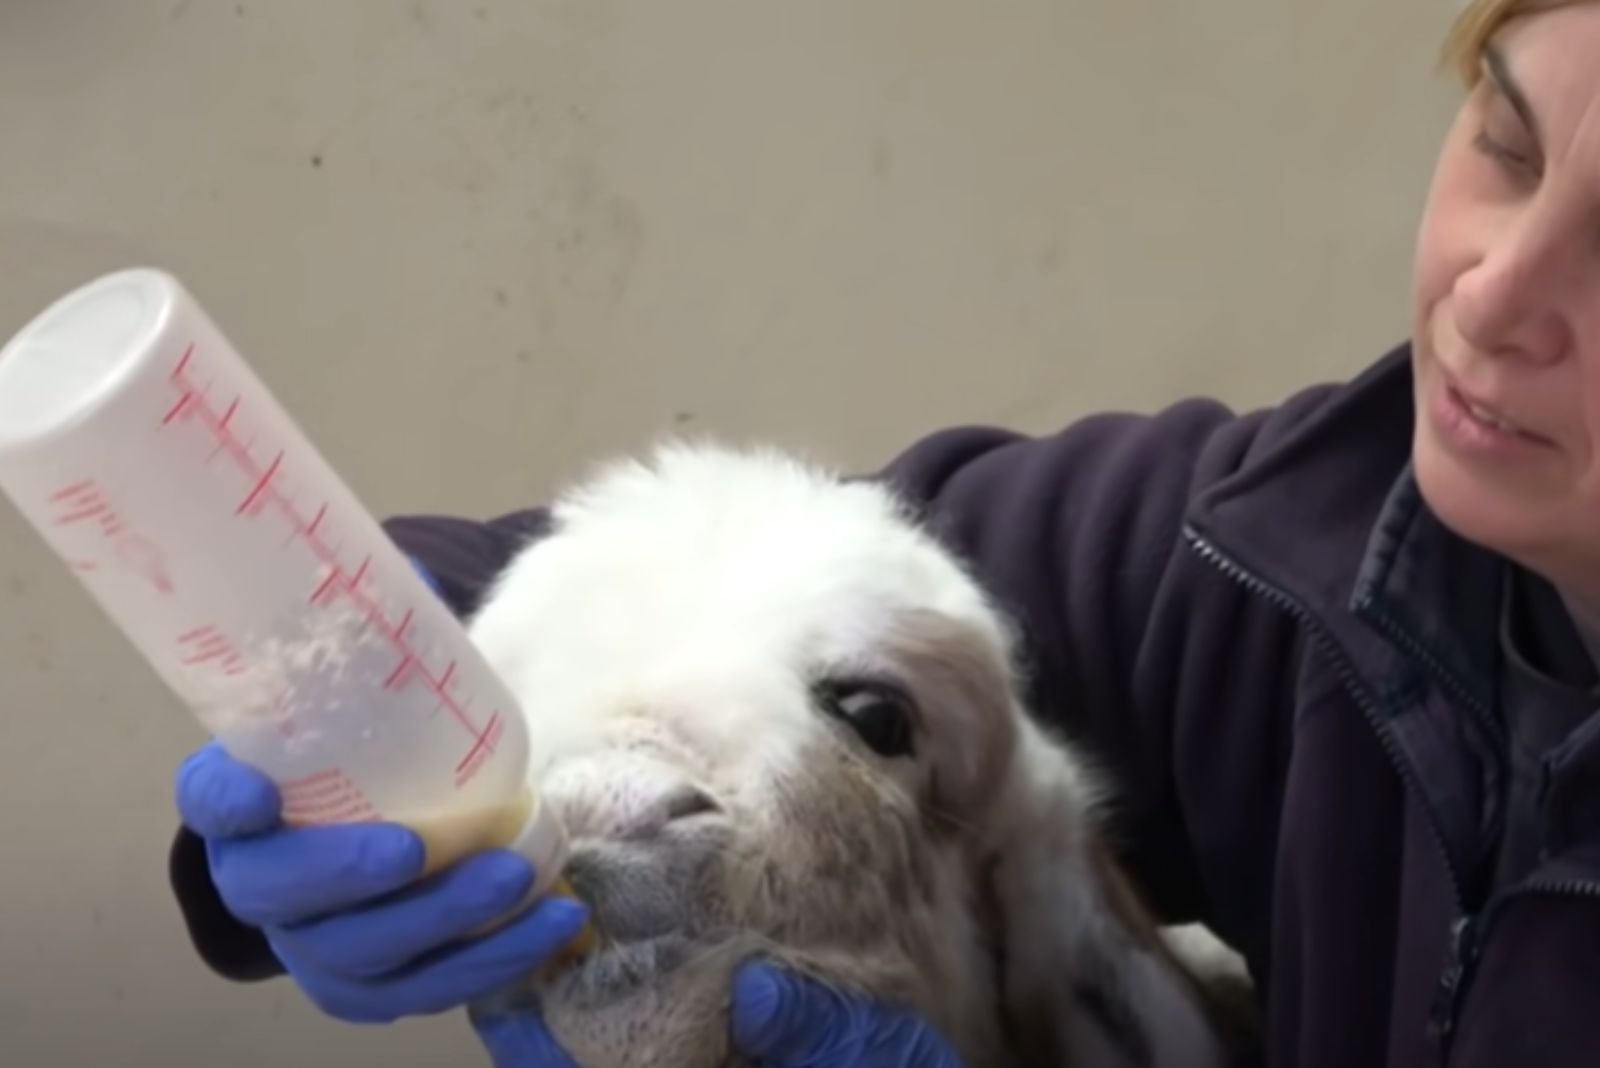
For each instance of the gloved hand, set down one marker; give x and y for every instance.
(343, 909)
(779, 1020)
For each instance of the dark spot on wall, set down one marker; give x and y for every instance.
(501, 297)
(316, 161)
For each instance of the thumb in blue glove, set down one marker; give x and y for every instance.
(518, 1040)
(782, 1020)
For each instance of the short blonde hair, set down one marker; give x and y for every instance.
(1476, 26)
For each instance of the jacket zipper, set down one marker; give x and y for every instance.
(1352, 682)
(1465, 935)
(1467, 930)
(1484, 715)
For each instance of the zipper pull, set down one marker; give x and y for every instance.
(1447, 995)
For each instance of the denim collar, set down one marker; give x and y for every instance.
(1435, 594)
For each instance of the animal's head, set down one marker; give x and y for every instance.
(777, 718)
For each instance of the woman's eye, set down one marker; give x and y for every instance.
(1504, 137)
(1501, 152)
(881, 715)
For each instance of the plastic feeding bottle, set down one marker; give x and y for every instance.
(141, 447)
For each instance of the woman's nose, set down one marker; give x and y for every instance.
(1515, 303)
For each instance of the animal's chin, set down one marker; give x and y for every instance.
(616, 971)
(658, 1002)
(656, 911)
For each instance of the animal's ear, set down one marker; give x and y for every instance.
(1085, 975)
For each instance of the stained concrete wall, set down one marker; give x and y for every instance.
(474, 245)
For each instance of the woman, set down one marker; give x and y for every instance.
(1340, 653)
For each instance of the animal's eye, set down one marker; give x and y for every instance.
(881, 714)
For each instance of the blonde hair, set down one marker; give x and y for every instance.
(1476, 26)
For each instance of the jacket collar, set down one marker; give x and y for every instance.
(1330, 516)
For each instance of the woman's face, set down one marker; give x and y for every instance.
(1507, 305)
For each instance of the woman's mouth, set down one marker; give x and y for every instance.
(1474, 426)
(1488, 416)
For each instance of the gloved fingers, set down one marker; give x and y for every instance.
(453, 977)
(300, 873)
(519, 1040)
(780, 1018)
(390, 933)
(220, 797)
(783, 1020)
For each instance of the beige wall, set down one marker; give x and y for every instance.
(474, 244)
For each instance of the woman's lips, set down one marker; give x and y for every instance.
(1476, 425)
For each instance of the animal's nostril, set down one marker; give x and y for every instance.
(690, 801)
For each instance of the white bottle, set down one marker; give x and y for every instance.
(149, 457)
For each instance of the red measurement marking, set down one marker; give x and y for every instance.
(327, 584)
(84, 502)
(482, 749)
(326, 797)
(177, 409)
(144, 556)
(98, 508)
(74, 490)
(396, 678)
(312, 779)
(265, 496)
(205, 644)
(261, 485)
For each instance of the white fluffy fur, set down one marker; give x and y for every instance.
(664, 637)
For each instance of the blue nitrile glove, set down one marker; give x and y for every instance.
(779, 1020)
(782, 1020)
(341, 907)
